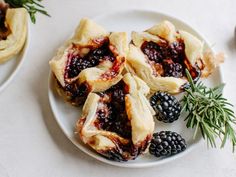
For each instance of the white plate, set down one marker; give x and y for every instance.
(67, 115)
(9, 69)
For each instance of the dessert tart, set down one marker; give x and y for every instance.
(13, 31)
(118, 123)
(161, 54)
(92, 61)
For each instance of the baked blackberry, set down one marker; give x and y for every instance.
(166, 143)
(116, 156)
(77, 94)
(93, 58)
(101, 53)
(172, 69)
(166, 106)
(113, 117)
(176, 51)
(76, 65)
(155, 52)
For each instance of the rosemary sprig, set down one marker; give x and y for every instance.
(32, 6)
(209, 112)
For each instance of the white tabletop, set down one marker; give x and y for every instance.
(32, 144)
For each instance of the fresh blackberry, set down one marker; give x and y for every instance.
(166, 106)
(166, 143)
(172, 69)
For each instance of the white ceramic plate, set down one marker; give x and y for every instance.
(9, 69)
(67, 115)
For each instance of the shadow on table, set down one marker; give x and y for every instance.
(231, 44)
(52, 127)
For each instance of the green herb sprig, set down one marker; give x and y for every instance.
(32, 6)
(209, 112)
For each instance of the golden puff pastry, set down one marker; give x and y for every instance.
(161, 54)
(118, 123)
(13, 33)
(91, 61)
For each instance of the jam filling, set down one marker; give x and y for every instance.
(112, 116)
(76, 93)
(78, 63)
(168, 59)
(4, 31)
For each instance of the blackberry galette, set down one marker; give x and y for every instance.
(161, 54)
(118, 123)
(92, 61)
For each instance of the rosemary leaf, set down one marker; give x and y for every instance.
(208, 111)
(32, 6)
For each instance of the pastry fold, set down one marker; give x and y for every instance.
(166, 38)
(88, 43)
(110, 143)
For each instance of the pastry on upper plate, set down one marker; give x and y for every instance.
(13, 31)
(118, 123)
(91, 61)
(161, 54)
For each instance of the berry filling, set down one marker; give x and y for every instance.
(77, 63)
(168, 60)
(4, 31)
(76, 93)
(112, 114)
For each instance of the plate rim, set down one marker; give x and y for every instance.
(23, 54)
(123, 164)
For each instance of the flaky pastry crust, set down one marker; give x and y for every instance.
(196, 58)
(87, 38)
(139, 114)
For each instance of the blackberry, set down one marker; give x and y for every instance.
(176, 51)
(166, 143)
(4, 31)
(122, 126)
(118, 95)
(76, 65)
(172, 69)
(96, 55)
(101, 53)
(154, 52)
(115, 118)
(114, 155)
(93, 58)
(104, 117)
(166, 106)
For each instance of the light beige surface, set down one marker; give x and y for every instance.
(32, 144)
